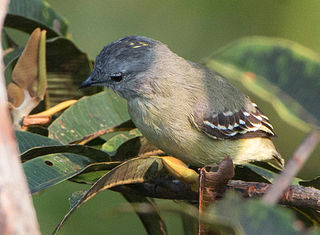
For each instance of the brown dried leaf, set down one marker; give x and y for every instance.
(29, 81)
(25, 73)
(15, 95)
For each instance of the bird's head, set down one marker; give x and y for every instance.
(121, 64)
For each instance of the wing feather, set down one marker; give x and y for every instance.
(234, 124)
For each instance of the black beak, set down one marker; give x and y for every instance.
(87, 83)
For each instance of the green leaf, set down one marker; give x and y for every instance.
(94, 172)
(89, 115)
(12, 56)
(253, 216)
(112, 145)
(27, 140)
(26, 15)
(268, 175)
(259, 172)
(83, 150)
(50, 165)
(90, 177)
(49, 170)
(151, 219)
(280, 72)
(311, 183)
(136, 170)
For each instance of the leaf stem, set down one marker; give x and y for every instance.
(57, 108)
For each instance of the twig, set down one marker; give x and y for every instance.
(295, 195)
(35, 120)
(291, 169)
(17, 216)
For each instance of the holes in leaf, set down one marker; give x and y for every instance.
(48, 163)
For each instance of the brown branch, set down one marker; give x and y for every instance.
(291, 169)
(17, 215)
(295, 195)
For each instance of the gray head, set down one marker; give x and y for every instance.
(120, 63)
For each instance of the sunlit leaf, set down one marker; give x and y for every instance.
(280, 72)
(89, 115)
(26, 15)
(180, 170)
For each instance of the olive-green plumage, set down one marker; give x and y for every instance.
(181, 107)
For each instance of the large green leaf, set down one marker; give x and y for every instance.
(278, 71)
(26, 15)
(48, 170)
(33, 145)
(136, 170)
(89, 115)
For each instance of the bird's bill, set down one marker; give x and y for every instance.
(90, 82)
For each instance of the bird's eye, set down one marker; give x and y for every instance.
(116, 77)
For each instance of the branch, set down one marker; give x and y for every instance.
(291, 169)
(295, 195)
(17, 215)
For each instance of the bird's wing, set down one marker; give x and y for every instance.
(247, 122)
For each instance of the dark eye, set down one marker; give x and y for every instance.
(116, 77)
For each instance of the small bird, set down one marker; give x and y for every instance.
(182, 107)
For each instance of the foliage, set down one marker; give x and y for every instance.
(94, 142)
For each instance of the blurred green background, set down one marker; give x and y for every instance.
(194, 30)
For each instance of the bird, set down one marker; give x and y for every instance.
(184, 108)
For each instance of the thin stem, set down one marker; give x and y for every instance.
(291, 169)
